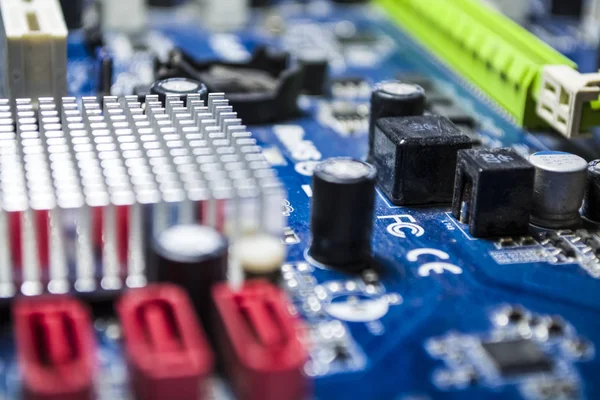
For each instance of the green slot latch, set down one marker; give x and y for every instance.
(534, 83)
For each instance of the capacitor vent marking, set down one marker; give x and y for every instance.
(80, 182)
(559, 189)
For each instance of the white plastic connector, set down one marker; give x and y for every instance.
(516, 10)
(591, 19)
(225, 15)
(124, 16)
(33, 49)
(563, 94)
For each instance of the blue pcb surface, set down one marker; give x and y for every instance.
(416, 332)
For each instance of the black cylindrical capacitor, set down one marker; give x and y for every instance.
(164, 3)
(567, 8)
(105, 71)
(181, 87)
(351, 1)
(394, 99)
(194, 257)
(591, 204)
(72, 13)
(315, 67)
(342, 213)
(260, 3)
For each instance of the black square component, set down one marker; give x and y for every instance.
(493, 192)
(518, 357)
(416, 158)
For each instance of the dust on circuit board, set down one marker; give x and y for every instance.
(491, 130)
(347, 315)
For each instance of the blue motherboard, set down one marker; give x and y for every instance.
(417, 327)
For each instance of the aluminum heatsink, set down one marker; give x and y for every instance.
(84, 184)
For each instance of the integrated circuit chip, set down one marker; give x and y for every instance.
(518, 357)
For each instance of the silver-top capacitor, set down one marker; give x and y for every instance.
(560, 181)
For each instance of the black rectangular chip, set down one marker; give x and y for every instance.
(518, 357)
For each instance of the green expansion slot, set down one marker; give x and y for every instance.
(534, 83)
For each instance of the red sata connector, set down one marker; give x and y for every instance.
(56, 348)
(259, 342)
(167, 352)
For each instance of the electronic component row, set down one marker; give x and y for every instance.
(531, 81)
(167, 350)
(419, 160)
